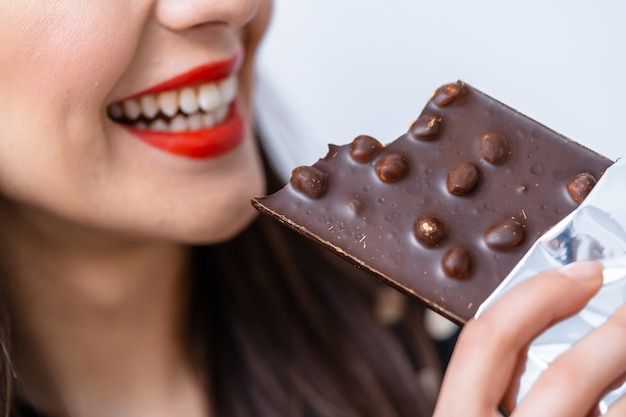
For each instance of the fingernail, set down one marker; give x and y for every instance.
(581, 270)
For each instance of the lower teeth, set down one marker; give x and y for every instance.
(185, 123)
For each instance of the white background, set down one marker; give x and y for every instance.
(332, 69)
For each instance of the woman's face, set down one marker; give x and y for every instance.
(130, 116)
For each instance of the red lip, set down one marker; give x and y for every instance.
(205, 143)
(198, 75)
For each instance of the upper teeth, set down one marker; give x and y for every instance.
(190, 108)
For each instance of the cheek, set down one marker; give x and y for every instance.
(61, 59)
(58, 64)
(58, 61)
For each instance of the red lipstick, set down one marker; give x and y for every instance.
(200, 144)
(203, 143)
(202, 74)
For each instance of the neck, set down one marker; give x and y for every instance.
(99, 323)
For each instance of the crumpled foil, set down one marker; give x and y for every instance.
(596, 230)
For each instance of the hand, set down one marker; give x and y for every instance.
(491, 353)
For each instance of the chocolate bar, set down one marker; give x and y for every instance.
(445, 211)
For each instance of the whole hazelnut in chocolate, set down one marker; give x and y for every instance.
(364, 148)
(457, 263)
(392, 167)
(426, 127)
(463, 179)
(581, 186)
(494, 148)
(447, 93)
(309, 181)
(429, 231)
(505, 235)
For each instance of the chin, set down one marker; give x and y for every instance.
(210, 221)
(214, 213)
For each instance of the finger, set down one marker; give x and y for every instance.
(488, 348)
(509, 401)
(596, 411)
(579, 377)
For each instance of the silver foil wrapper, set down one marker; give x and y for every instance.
(596, 230)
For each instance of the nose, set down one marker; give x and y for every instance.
(184, 14)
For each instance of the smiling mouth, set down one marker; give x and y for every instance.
(189, 109)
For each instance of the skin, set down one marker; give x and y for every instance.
(490, 354)
(78, 62)
(96, 223)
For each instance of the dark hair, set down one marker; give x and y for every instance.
(291, 332)
(283, 327)
(6, 367)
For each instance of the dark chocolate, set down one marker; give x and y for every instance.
(464, 178)
(506, 235)
(392, 167)
(494, 148)
(426, 127)
(363, 148)
(308, 180)
(457, 263)
(580, 186)
(445, 211)
(429, 231)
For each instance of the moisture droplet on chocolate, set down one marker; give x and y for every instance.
(392, 167)
(426, 127)
(463, 179)
(536, 169)
(308, 180)
(580, 186)
(429, 231)
(457, 263)
(446, 94)
(363, 148)
(505, 236)
(494, 148)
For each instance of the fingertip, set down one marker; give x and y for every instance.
(585, 270)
